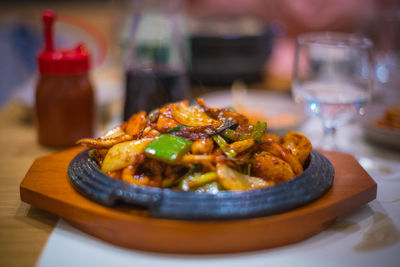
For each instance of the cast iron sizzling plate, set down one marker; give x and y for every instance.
(316, 179)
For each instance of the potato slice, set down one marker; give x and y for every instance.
(124, 154)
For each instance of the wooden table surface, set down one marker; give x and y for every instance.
(23, 229)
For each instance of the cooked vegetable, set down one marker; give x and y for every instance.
(168, 148)
(192, 116)
(257, 182)
(231, 179)
(124, 154)
(201, 149)
(241, 146)
(256, 133)
(177, 128)
(224, 146)
(234, 180)
(197, 179)
(230, 134)
(210, 188)
(259, 129)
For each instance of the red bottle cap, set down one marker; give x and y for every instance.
(51, 61)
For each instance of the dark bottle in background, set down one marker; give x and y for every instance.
(148, 89)
(155, 61)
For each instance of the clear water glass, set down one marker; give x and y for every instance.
(333, 78)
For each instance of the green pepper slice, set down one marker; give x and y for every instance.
(256, 133)
(168, 148)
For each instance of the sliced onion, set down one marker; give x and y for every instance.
(192, 116)
(231, 179)
(237, 181)
(124, 154)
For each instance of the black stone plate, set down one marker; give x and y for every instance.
(316, 179)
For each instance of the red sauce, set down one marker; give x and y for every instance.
(64, 109)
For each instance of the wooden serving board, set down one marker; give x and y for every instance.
(47, 186)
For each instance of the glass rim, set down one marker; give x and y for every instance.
(335, 39)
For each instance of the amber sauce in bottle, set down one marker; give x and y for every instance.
(65, 107)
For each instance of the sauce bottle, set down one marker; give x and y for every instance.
(65, 107)
(155, 67)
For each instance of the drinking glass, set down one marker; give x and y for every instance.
(333, 78)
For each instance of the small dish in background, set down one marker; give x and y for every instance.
(376, 132)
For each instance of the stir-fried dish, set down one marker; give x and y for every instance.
(198, 148)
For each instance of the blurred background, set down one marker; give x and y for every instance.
(208, 44)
